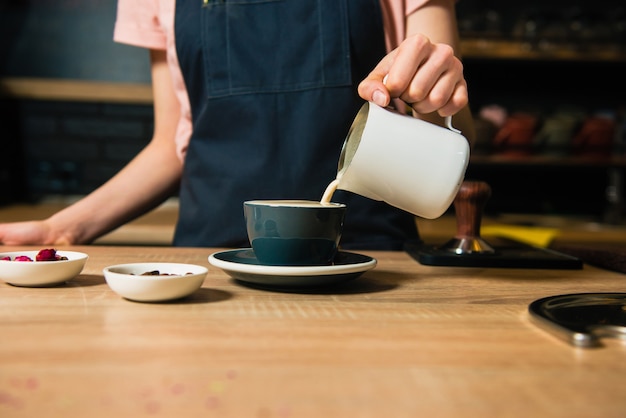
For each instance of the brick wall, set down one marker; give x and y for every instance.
(12, 179)
(72, 148)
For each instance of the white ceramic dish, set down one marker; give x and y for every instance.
(242, 264)
(40, 273)
(128, 281)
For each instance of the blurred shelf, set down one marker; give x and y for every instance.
(541, 160)
(75, 90)
(484, 48)
(136, 93)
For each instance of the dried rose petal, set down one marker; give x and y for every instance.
(23, 258)
(47, 254)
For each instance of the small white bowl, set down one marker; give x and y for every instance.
(128, 281)
(40, 273)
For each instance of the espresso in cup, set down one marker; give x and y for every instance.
(294, 232)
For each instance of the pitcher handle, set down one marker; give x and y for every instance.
(448, 122)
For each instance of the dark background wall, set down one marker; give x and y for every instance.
(66, 39)
(58, 147)
(544, 85)
(71, 148)
(581, 26)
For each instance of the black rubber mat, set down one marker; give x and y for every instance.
(507, 255)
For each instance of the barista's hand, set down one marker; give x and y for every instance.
(29, 233)
(425, 75)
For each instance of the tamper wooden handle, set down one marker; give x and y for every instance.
(469, 204)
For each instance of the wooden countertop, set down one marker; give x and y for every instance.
(403, 340)
(157, 226)
(154, 228)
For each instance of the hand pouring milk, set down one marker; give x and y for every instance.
(409, 163)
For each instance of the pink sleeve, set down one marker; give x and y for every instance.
(394, 22)
(138, 24)
(394, 19)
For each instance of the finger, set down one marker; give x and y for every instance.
(441, 66)
(458, 100)
(408, 61)
(446, 104)
(373, 88)
(438, 96)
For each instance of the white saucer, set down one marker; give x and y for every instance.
(243, 265)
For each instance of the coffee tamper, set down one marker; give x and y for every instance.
(468, 249)
(469, 204)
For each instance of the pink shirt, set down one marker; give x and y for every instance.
(150, 24)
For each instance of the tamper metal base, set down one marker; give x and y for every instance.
(468, 246)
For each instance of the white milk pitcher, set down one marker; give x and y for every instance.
(409, 163)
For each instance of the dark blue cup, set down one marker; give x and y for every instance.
(294, 232)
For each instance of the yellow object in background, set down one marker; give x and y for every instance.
(532, 235)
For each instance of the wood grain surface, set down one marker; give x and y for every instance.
(403, 340)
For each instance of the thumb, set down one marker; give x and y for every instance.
(373, 88)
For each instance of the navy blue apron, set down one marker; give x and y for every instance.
(272, 87)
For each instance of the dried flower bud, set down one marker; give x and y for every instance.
(23, 258)
(48, 254)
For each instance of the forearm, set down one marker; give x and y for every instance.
(437, 20)
(152, 176)
(146, 182)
